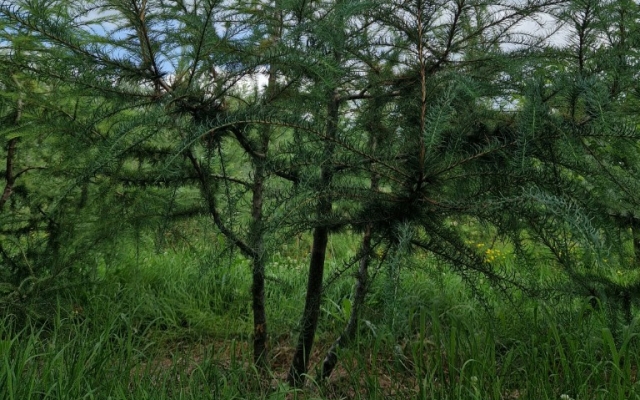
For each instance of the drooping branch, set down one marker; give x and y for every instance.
(213, 208)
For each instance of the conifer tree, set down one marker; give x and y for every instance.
(591, 91)
(163, 76)
(396, 120)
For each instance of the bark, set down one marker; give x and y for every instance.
(259, 314)
(256, 242)
(311, 313)
(360, 291)
(9, 176)
(253, 248)
(311, 309)
(361, 284)
(635, 232)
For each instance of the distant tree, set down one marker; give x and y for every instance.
(44, 213)
(593, 92)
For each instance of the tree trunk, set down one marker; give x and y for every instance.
(309, 322)
(256, 239)
(259, 315)
(360, 291)
(9, 177)
(635, 233)
(256, 242)
(361, 285)
(253, 248)
(311, 308)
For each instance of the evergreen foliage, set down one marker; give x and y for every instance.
(404, 122)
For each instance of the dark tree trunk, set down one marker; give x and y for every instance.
(311, 311)
(253, 248)
(259, 315)
(260, 337)
(361, 284)
(360, 291)
(311, 308)
(635, 232)
(9, 176)
(256, 242)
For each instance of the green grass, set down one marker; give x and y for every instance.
(177, 325)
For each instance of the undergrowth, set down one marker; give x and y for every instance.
(177, 325)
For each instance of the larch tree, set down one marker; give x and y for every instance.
(163, 75)
(395, 120)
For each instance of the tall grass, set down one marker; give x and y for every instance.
(177, 326)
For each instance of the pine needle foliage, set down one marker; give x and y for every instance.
(401, 121)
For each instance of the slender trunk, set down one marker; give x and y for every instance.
(311, 311)
(9, 176)
(312, 308)
(256, 242)
(259, 314)
(635, 233)
(362, 278)
(256, 238)
(252, 248)
(331, 359)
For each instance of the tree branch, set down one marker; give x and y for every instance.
(213, 209)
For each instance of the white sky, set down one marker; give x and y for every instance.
(544, 26)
